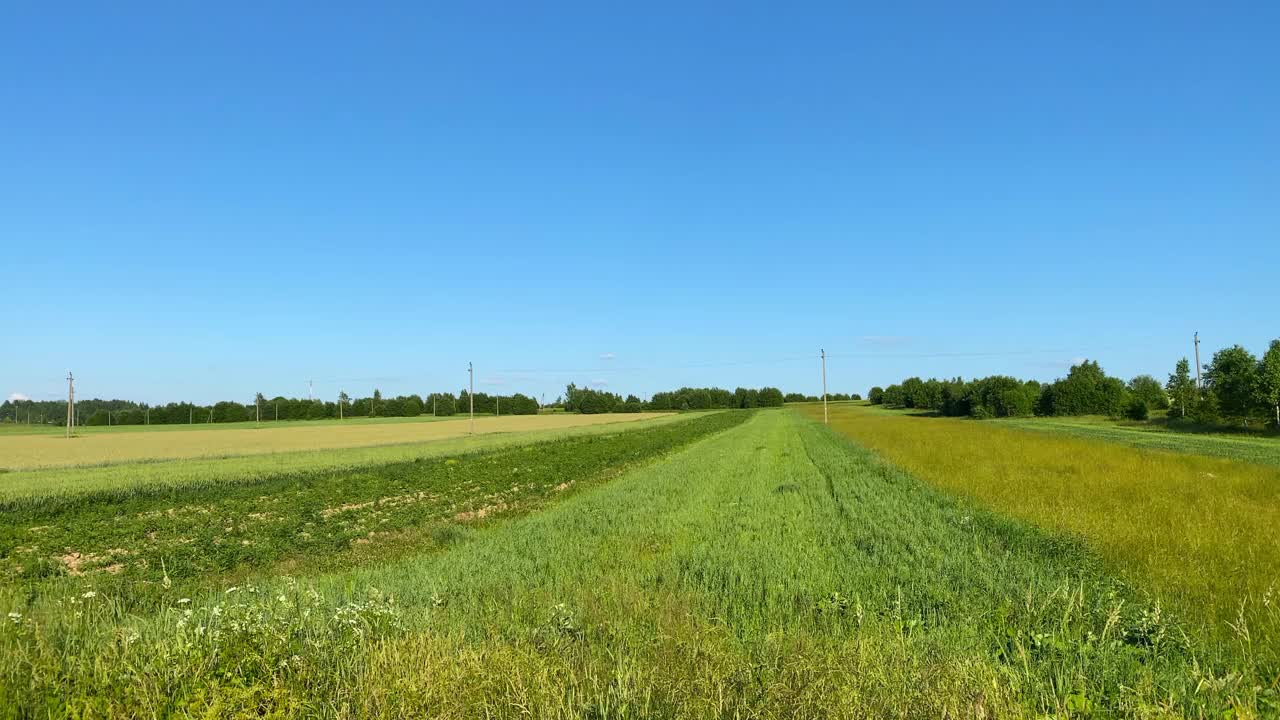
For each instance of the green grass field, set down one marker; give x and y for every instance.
(1245, 448)
(1260, 448)
(724, 565)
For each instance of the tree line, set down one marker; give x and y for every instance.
(128, 412)
(833, 397)
(589, 400)
(576, 399)
(1237, 388)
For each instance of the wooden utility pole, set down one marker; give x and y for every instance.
(1198, 386)
(191, 414)
(825, 418)
(497, 406)
(471, 396)
(277, 411)
(434, 400)
(339, 404)
(71, 401)
(257, 409)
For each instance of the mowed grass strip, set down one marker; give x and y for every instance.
(144, 538)
(42, 451)
(1202, 532)
(1240, 447)
(142, 476)
(771, 571)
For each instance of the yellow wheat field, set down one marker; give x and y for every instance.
(44, 451)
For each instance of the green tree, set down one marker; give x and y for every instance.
(875, 395)
(1233, 376)
(1205, 411)
(1137, 408)
(377, 401)
(770, 397)
(1269, 379)
(1181, 388)
(1150, 391)
(1086, 390)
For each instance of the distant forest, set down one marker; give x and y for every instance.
(575, 399)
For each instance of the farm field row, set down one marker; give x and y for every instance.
(41, 451)
(21, 428)
(22, 485)
(142, 538)
(773, 569)
(1199, 531)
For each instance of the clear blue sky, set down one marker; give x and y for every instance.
(203, 200)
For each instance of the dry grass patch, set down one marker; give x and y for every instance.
(1202, 531)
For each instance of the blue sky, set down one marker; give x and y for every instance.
(202, 201)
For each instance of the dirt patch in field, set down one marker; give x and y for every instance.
(79, 564)
(480, 514)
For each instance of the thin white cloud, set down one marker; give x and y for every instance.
(599, 383)
(18, 397)
(607, 356)
(494, 380)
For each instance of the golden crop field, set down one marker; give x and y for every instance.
(20, 452)
(1202, 530)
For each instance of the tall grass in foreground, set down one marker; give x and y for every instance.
(1204, 533)
(771, 571)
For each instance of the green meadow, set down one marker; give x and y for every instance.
(738, 564)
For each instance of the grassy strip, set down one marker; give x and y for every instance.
(1201, 531)
(163, 535)
(1240, 447)
(771, 571)
(36, 485)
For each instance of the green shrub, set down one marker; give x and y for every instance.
(1137, 409)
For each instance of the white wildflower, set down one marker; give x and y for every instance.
(89, 594)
